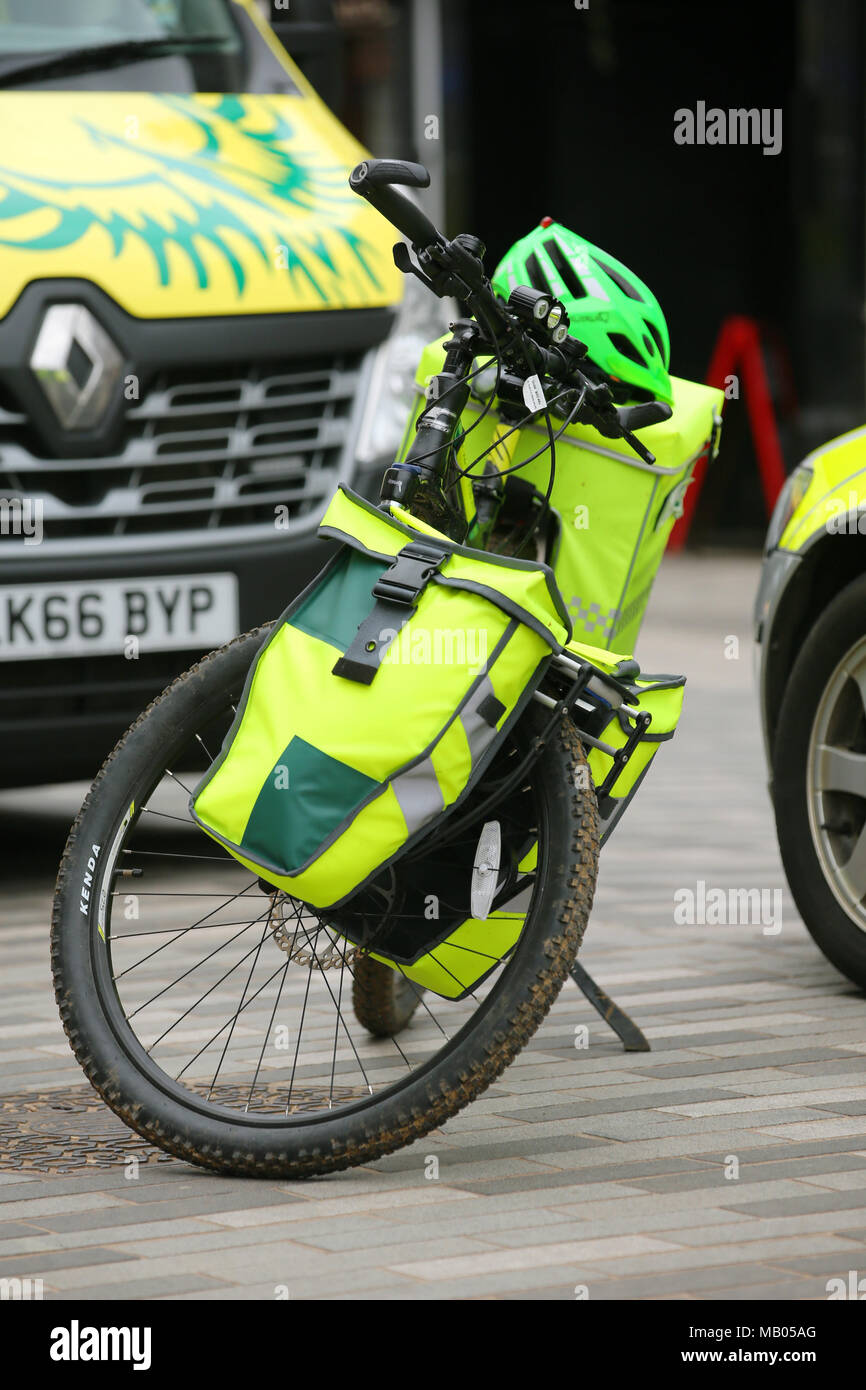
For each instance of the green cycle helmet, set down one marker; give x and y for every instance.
(610, 309)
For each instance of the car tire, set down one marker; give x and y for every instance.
(817, 825)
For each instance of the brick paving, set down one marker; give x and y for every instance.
(729, 1162)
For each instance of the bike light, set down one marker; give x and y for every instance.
(558, 322)
(529, 303)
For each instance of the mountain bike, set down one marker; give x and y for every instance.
(238, 1028)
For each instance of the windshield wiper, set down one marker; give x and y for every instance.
(110, 55)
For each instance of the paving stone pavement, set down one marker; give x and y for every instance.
(729, 1162)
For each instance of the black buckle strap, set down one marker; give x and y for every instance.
(409, 571)
(396, 592)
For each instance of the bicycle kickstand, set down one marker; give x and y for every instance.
(626, 1030)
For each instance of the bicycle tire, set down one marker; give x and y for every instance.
(113, 1058)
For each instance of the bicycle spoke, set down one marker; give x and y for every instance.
(242, 994)
(186, 929)
(204, 746)
(171, 854)
(419, 991)
(336, 1037)
(340, 1020)
(187, 973)
(179, 782)
(298, 1041)
(252, 999)
(177, 931)
(267, 1034)
(241, 1005)
(163, 815)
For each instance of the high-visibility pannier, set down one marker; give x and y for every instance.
(376, 702)
(614, 513)
(455, 958)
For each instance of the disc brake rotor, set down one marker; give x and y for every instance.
(298, 940)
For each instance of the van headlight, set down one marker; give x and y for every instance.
(787, 502)
(421, 318)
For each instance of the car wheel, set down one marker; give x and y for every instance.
(819, 781)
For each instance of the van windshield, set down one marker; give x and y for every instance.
(44, 26)
(135, 45)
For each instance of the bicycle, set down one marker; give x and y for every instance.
(208, 1010)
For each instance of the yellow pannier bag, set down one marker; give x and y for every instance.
(456, 960)
(616, 726)
(614, 512)
(376, 702)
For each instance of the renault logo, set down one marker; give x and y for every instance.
(77, 366)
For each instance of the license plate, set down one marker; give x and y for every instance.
(118, 617)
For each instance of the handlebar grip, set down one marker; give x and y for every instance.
(373, 179)
(639, 417)
(377, 171)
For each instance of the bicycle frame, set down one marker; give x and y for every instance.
(425, 481)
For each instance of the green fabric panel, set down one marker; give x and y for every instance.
(300, 807)
(336, 608)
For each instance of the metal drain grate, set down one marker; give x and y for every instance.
(66, 1130)
(269, 1097)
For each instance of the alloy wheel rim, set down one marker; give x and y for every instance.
(836, 783)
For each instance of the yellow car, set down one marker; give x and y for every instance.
(811, 627)
(202, 332)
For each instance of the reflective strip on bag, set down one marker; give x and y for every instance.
(478, 730)
(419, 795)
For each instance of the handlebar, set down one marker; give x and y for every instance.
(456, 268)
(373, 179)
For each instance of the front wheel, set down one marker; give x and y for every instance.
(213, 1015)
(819, 781)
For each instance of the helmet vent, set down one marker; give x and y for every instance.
(537, 277)
(657, 338)
(564, 269)
(618, 279)
(627, 348)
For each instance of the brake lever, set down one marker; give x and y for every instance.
(634, 443)
(440, 285)
(602, 414)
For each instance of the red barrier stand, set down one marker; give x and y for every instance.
(738, 353)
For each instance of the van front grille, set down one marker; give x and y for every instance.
(208, 449)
